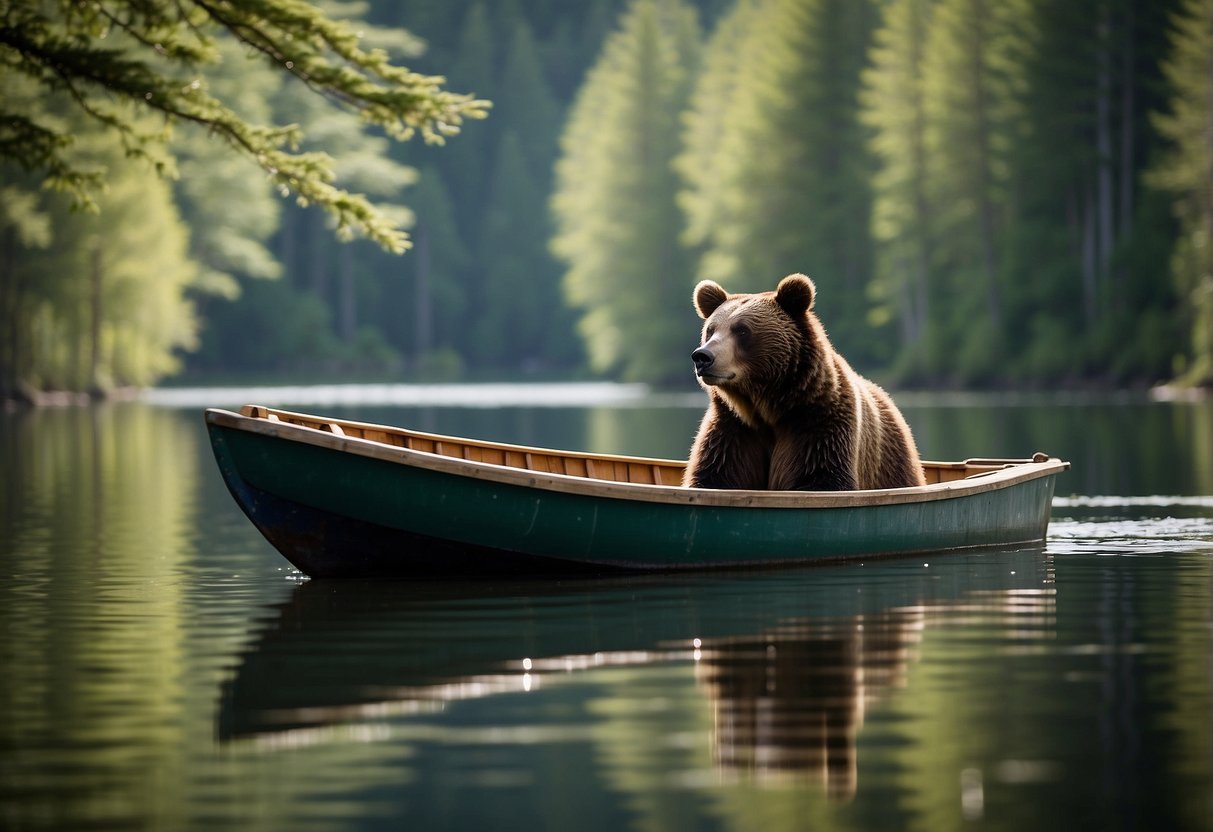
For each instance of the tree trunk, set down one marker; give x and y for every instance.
(1089, 266)
(922, 288)
(1127, 123)
(924, 218)
(1074, 222)
(347, 311)
(905, 303)
(96, 311)
(422, 307)
(288, 244)
(1105, 231)
(985, 184)
(317, 271)
(9, 320)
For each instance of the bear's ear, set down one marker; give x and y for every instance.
(795, 295)
(708, 297)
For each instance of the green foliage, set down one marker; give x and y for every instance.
(1083, 239)
(431, 288)
(92, 301)
(115, 61)
(231, 209)
(275, 329)
(529, 58)
(465, 168)
(343, 276)
(526, 99)
(514, 311)
(617, 220)
(1013, 240)
(894, 107)
(1187, 173)
(519, 303)
(709, 145)
(776, 165)
(972, 115)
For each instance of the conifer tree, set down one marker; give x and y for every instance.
(362, 163)
(973, 98)
(525, 105)
(117, 60)
(521, 279)
(1187, 172)
(784, 187)
(519, 298)
(94, 301)
(710, 141)
(465, 164)
(1080, 238)
(424, 313)
(894, 106)
(618, 225)
(574, 41)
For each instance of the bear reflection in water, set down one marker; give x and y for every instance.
(790, 702)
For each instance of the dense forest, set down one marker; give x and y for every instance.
(1011, 193)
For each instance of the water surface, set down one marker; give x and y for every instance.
(164, 668)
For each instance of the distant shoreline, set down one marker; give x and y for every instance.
(490, 394)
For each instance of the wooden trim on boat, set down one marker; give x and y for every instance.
(604, 475)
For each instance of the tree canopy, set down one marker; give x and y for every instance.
(1187, 172)
(618, 223)
(117, 60)
(775, 165)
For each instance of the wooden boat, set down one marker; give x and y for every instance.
(343, 498)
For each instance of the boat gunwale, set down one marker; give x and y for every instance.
(1013, 472)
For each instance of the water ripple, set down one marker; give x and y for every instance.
(1158, 501)
(1143, 525)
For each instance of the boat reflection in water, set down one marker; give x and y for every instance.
(789, 662)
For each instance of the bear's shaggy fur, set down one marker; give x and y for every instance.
(785, 411)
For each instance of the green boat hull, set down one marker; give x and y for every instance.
(331, 512)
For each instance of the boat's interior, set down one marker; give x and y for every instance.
(611, 468)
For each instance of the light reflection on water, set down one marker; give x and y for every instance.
(164, 668)
(1132, 502)
(1139, 536)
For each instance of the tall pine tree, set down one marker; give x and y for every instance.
(1084, 237)
(894, 106)
(972, 92)
(1187, 172)
(784, 185)
(94, 301)
(618, 225)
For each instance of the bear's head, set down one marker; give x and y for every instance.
(752, 341)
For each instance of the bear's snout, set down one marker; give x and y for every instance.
(703, 359)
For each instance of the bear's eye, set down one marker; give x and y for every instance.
(741, 331)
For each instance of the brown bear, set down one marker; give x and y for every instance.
(785, 411)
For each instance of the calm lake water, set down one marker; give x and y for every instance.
(161, 667)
